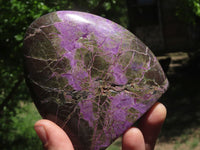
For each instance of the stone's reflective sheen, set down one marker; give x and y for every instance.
(89, 75)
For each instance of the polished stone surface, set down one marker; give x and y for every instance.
(89, 75)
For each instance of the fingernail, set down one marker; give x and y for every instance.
(41, 133)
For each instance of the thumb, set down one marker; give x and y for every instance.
(52, 136)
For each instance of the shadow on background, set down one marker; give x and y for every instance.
(183, 98)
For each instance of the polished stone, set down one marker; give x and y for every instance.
(90, 76)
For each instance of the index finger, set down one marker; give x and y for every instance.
(151, 124)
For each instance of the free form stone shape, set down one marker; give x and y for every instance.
(90, 76)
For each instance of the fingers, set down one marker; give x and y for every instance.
(133, 140)
(52, 136)
(151, 124)
(144, 137)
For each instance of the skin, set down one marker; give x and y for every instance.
(142, 137)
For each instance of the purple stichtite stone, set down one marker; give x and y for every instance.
(90, 76)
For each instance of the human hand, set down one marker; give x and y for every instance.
(141, 138)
